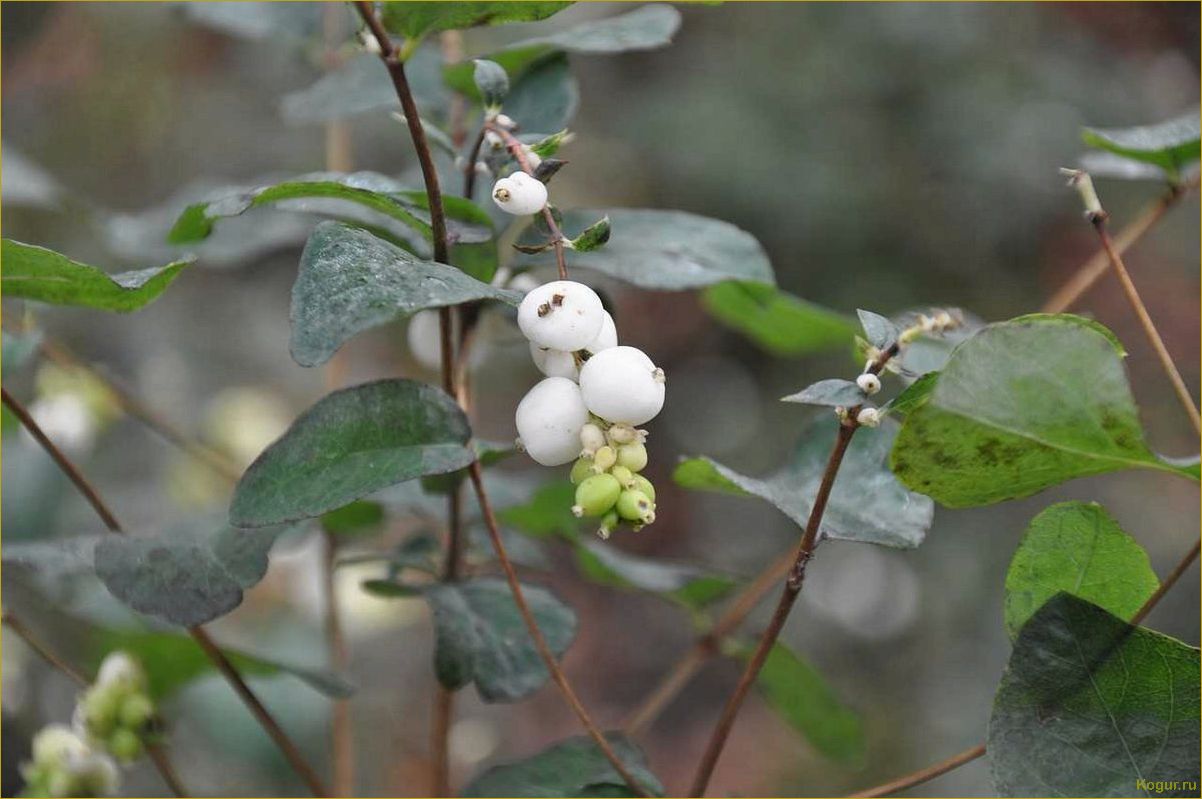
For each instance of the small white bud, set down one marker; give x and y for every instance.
(520, 194)
(493, 140)
(868, 417)
(592, 438)
(533, 159)
(869, 383)
(370, 43)
(505, 121)
(120, 668)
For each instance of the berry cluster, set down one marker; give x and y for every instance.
(113, 719)
(589, 406)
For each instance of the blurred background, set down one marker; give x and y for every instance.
(886, 155)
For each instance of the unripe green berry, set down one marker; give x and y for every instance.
(635, 506)
(640, 483)
(604, 458)
(596, 495)
(623, 474)
(582, 469)
(125, 745)
(101, 704)
(136, 711)
(609, 523)
(633, 457)
(60, 783)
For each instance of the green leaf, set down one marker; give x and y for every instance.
(1090, 706)
(799, 693)
(358, 518)
(913, 397)
(548, 513)
(480, 637)
(351, 281)
(775, 320)
(1076, 547)
(173, 660)
(549, 145)
(881, 332)
(1169, 145)
(184, 579)
(688, 585)
(491, 81)
(833, 393)
(1019, 407)
(351, 443)
(18, 349)
(362, 84)
(360, 197)
(36, 273)
(645, 28)
(668, 250)
(575, 767)
(867, 503)
(593, 237)
(545, 96)
(416, 19)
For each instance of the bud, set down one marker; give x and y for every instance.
(136, 711)
(121, 668)
(868, 417)
(582, 469)
(125, 745)
(622, 433)
(869, 383)
(592, 438)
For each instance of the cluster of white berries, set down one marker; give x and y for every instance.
(112, 721)
(591, 403)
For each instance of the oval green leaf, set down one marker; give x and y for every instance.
(776, 320)
(575, 767)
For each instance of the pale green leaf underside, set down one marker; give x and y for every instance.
(1090, 706)
(1170, 144)
(1076, 547)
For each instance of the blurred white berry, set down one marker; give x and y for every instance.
(493, 141)
(58, 744)
(118, 668)
(869, 383)
(505, 121)
(621, 384)
(520, 194)
(549, 420)
(561, 315)
(869, 417)
(425, 341)
(557, 363)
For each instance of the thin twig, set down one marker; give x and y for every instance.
(925, 775)
(968, 755)
(137, 409)
(556, 238)
(1145, 321)
(156, 752)
(793, 584)
(342, 747)
(540, 642)
(1092, 270)
(469, 171)
(214, 653)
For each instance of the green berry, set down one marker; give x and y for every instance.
(582, 470)
(640, 483)
(635, 506)
(596, 495)
(609, 523)
(136, 711)
(623, 474)
(633, 457)
(101, 705)
(604, 458)
(125, 745)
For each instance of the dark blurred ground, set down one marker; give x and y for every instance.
(887, 156)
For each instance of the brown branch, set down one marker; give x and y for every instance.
(968, 755)
(556, 238)
(540, 642)
(342, 748)
(793, 584)
(1092, 270)
(136, 409)
(295, 758)
(1145, 321)
(156, 752)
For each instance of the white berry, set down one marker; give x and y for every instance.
(621, 384)
(549, 419)
(561, 315)
(869, 417)
(520, 194)
(869, 383)
(557, 363)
